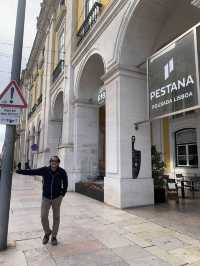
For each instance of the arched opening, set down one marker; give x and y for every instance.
(39, 136)
(33, 141)
(90, 121)
(152, 25)
(27, 148)
(57, 121)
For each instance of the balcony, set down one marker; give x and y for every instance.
(89, 21)
(39, 100)
(58, 70)
(34, 108)
(29, 115)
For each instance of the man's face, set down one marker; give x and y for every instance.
(54, 163)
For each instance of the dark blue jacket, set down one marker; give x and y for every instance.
(54, 183)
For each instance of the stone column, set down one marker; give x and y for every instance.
(126, 104)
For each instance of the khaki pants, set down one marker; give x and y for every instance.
(45, 207)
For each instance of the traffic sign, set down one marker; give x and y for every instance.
(12, 96)
(10, 116)
(34, 147)
(9, 121)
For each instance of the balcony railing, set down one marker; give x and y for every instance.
(59, 68)
(89, 21)
(39, 100)
(34, 108)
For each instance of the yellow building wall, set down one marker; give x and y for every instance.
(105, 2)
(166, 140)
(81, 12)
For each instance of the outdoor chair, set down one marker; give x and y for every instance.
(172, 189)
(178, 179)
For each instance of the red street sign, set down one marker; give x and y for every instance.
(12, 96)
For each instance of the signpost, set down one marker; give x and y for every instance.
(173, 77)
(8, 153)
(11, 103)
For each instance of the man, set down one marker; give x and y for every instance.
(55, 183)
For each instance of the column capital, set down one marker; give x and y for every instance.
(117, 70)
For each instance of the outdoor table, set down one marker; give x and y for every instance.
(189, 181)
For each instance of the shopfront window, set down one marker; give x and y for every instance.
(186, 148)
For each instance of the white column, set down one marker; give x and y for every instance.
(126, 104)
(86, 141)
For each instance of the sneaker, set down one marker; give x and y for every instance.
(54, 241)
(46, 238)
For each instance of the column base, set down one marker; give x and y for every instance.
(126, 193)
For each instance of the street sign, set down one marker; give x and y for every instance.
(34, 147)
(173, 77)
(10, 116)
(101, 96)
(9, 121)
(12, 96)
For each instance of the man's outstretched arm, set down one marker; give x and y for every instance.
(37, 171)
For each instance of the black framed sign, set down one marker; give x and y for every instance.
(173, 77)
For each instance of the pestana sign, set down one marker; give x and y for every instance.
(173, 76)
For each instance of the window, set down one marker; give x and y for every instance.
(88, 6)
(61, 46)
(186, 148)
(62, 2)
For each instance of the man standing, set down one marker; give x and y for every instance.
(55, 183)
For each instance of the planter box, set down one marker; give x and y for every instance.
(91, 190)
(159, 195)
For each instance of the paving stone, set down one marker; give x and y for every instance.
(98, 258)
(130, 253)
(189, 254)
(148, 261)
(39, 257)
(186, 239)
(11, 257)
(29, 244)
(165, 256)
(75, 248)
(112, 239)
(138, 240)
(167, 242)
(197, 263)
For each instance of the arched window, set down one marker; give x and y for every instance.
(186, 148)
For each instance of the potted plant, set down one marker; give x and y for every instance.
(158, 167)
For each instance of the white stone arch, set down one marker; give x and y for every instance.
(38, 122)
(89, 160)
(163, 31)
(82, 67)
(122, 30)
(54, 99)
(56, 120)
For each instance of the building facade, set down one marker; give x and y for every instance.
(86, 47)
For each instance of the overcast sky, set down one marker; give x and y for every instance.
(8, 9)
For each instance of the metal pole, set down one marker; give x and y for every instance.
(8, 150)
